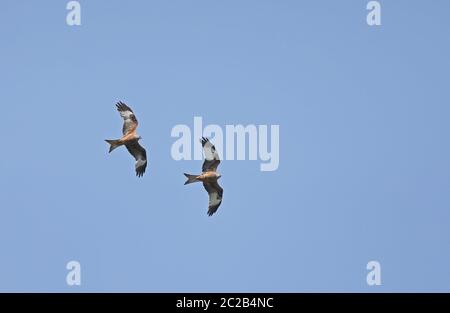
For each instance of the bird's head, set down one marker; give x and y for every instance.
(218, 175)
(139, 138)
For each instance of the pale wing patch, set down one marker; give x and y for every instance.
(126, 114)
(214, 199)
(140, 163)
(215, 193)
(212, 159)
(130, 122)
(210, 150)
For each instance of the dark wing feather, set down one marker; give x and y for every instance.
(215, 193)
(130, 123)
(140, 156)
(212, 159)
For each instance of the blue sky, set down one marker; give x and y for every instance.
(364, 146)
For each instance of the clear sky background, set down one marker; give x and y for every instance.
(364, 154)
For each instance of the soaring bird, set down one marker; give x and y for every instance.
(209, 176)
(130, 138)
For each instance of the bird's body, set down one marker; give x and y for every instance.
(209, 177)
(130, 138)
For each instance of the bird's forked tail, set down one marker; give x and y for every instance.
(191, 179)
(114, 144)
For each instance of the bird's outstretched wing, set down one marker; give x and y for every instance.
(215, 193)
(139, 154)
(212, 159)
(130, 122)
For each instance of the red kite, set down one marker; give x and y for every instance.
(209, 176)
(130, 138)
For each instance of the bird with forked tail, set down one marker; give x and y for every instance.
(209, 176)
(130, 138)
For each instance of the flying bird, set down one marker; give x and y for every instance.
(209, 176)
(130, 138)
